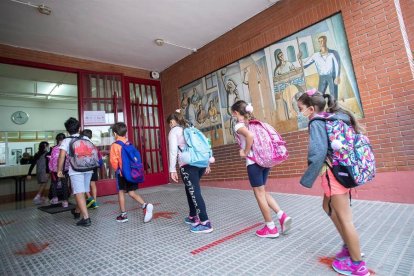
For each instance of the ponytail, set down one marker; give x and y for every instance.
(333, 107)
(179, 118)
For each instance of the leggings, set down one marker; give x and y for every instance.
(191, 177)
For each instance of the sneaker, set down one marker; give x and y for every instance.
(54, 200)
(94, 205)
(266, 232)
(148, 212)
(75, 214)
(37, 200)
(122, 218)
(202, 228)
(285, 223)
(347, 267)
(192, 220)
(65, 204)
(344, 254)
(84, 222)
(89, 202)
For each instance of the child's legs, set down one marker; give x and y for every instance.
(272, 203)
(121, 199)
(257, 177)
(260, 195)
(53, 183)
(193, 211)
(65, 187)
(333, 217)
(191, 178)
(136, 197)
(93, 190)
(340, 203)
(42, 188)
(80, 185)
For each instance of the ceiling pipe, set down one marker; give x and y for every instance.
(43, 9)
(161, 42)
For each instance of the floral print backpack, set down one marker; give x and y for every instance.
(353, 161)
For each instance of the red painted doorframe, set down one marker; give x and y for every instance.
(163, 176)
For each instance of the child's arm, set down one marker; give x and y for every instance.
(172, 150)
(61, 160)
(249, 140)
(317, 151)
(114, 157)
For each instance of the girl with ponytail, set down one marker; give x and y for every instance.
(243, 112)
(191, 175)
(311, 105)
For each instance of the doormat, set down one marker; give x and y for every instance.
(56, 208)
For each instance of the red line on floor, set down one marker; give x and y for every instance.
(229, 237)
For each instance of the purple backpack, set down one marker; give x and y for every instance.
(268, 147)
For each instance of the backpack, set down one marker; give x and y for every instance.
(353, 161)
(198, 151)
(268, 147)
(83, 155)
(54, 159)
(132, 169)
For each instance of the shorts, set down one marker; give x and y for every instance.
(81, 182)
(95, 175)
(336, 187)
(257, 175)
(124, 185)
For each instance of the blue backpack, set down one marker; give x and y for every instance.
(132, 169)
(198, 151)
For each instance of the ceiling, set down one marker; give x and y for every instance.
(118, 32)
(123, 32)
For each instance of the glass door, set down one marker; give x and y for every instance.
(147, 129)
(101, 105)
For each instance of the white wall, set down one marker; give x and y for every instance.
(42, 115)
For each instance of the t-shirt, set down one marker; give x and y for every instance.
(65, 146)
(243, 142)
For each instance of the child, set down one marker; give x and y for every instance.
(189, 174)
(257, 174)
(42, 171)
(348, 260)
(53, 168)
(79, 180)
(115, 159)
(91, 197)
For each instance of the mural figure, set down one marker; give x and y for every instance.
(328, 65)
(212, 112)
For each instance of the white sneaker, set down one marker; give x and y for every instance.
(148, 212)
(37, 200)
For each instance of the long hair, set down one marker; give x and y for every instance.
(240, 106)
(327, 102)
(179, 118)
(43, 147)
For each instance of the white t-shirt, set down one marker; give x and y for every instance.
(243, 142)
(65, 146)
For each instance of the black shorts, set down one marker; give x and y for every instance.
(95, 175)
(125, 185)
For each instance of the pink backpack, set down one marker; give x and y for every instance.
(53, 161)
(268, 148)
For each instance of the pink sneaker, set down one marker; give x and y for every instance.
(343, 254)
(266, 232)
(347, 267)
(65, 204)
(285, 223)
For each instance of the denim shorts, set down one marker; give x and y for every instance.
(257, 175)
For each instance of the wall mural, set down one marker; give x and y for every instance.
(272, 79)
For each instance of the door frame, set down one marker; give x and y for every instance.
(157, 178)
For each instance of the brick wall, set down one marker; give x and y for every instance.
(28, 55)
(380, 62)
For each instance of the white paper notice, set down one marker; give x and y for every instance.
(94, 117)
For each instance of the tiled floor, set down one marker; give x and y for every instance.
(165, 246)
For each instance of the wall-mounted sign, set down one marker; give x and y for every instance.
(94, 117)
